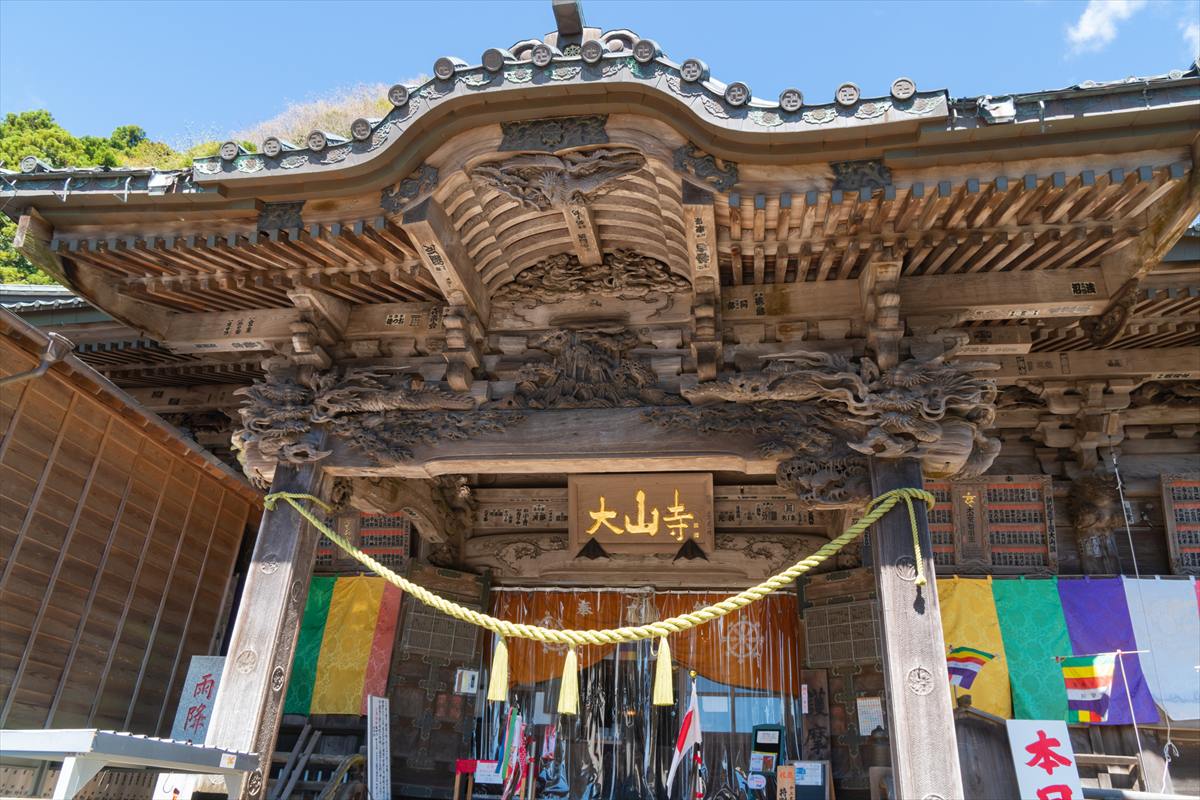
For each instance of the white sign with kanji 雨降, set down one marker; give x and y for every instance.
(1044, 759)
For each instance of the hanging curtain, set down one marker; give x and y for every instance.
(619, 746)
(1165, 622)
(756, 647)
(532, 662)
(1098, 622)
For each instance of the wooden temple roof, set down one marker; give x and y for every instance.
(1029, 223)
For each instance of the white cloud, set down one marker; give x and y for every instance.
(1191, 35)
(1097, 25)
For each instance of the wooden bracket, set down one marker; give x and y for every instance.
(701, 222)
(464, 333)
(444, 255)
(879, 288)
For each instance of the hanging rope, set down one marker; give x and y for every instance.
(573, 638)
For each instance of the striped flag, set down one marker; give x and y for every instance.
(964, 664)
(1089, 682)
(689, 737)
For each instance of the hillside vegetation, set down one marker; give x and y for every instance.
(37, 133)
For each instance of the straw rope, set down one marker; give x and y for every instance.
(875, 510)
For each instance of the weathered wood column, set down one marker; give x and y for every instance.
(920, 718)
(254, 681)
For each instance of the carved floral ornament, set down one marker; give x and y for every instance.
(822, 414)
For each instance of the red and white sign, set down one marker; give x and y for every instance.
(1044, 760)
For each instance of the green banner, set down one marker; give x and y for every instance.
(1034, 632)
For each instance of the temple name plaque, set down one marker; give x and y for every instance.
(641, 512)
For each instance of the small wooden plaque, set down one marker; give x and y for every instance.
(641, 512)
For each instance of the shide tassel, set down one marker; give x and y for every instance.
(568, 690)
(664, 691)
(498, 685)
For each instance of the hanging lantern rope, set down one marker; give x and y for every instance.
(663, 691)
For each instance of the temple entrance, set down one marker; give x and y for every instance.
(747, 673)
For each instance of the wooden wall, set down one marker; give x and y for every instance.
(117, 545)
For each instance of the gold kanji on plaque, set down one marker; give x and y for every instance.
(626, 513)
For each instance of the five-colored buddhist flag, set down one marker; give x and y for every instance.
(1089, 681)
(964, 664)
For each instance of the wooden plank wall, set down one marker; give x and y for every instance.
(116, 550)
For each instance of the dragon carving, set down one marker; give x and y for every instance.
(383, 414)
(544, 181)
(826, 414)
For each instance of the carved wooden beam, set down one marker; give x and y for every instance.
(323, 319)
(937, 301)
(581, 440)
(268, 328)
(701, 223)
(1178, 363)
(443, 253)
(182, 400)
(1128, 266)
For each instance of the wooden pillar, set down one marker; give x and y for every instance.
(920, 717)
(254, 682)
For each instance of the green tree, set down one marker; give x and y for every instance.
(127, 137)
(35, 133)
(14, 267)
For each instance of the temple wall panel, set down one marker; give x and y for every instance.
(117, 546)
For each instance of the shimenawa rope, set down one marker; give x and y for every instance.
(568, 692)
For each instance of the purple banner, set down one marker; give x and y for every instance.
(1097, 618)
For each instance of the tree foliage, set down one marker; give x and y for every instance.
(36, 133)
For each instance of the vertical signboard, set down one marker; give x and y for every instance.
(1044, 760)
(379, 749)
(196, 700)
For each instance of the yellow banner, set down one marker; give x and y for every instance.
(969, 620)
(346, 648)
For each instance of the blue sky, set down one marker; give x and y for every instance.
(182, 69)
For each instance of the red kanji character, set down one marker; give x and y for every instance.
(204, 686)
(196, 717)
(1044, 755)
(1058, 792)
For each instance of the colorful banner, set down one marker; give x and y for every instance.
(1034, 631)
(345, 645)
(969, 620)
(1098, 622)
(1166, 622)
